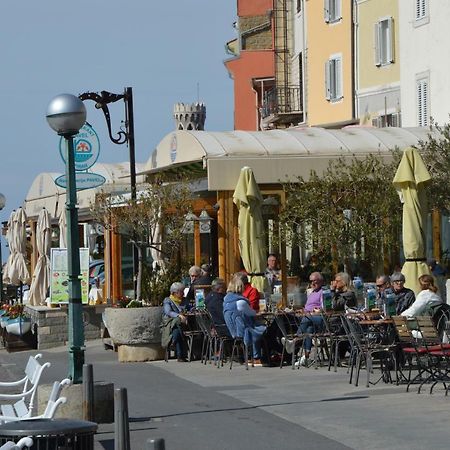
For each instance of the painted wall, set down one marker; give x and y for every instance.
(324, 40)
(253, 7)
(424, 50)
(378, 87)
(249, 65)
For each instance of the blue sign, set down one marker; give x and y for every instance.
(84, 180)
(87, 148)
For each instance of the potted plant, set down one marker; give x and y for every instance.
(17, 322)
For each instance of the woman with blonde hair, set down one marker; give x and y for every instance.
(239, 317)
(425, 299)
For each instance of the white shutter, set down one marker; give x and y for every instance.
(422, 103)
(326, 10)
(390, 44)
(421, 9)
(327, 80)
(377, 41)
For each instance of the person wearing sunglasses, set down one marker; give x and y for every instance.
(383, 284)
(404, 297)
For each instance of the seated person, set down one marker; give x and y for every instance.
(425, 299)
(383, 285)
(214, 303)
(249, 292)
(205, 274)
(313, 322)
(404, 297)
(239, 317)
(343, 296)
(195, 279)
(173, 318)
(272, 273)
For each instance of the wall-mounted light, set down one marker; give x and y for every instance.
(205, 222)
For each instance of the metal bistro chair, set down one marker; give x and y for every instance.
(288, 324)
(222, 339)
(205, 323)
(336, 334)
(191, 332)
(367, 353)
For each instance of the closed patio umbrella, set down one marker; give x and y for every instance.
(17, 271)
(9, 230)
(62, 229)
(248, 199)
(410, 179)
(41, 276)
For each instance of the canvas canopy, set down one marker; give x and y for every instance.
(44, 193)
(274, 156)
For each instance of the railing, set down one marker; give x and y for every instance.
(282, 100)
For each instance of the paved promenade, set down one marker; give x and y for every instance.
(195, 406)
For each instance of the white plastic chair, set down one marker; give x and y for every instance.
(19, 411)
(29, 384)
(25, 442)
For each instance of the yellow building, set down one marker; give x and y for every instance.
(329, 67)
(377, 62)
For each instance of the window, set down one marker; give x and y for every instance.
(422, 89)
(333, 78)
(384, 42)
(387, 120)
(332, 10)
(421, 9)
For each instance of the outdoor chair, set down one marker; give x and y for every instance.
(221, 341)
(25, 442)
(206, 326)
(191, 332)
(336, 334)
(288, 324)
(28, 384)
(436, 354)
(366, 353)
(20, 411)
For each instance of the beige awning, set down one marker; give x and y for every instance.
(44, 192)
(273, 155)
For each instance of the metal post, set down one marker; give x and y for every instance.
(155, 444)
(88, 393)
(76, 326)
(121, 426)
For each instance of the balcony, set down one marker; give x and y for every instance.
(282, 106)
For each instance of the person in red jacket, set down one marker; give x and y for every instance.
(250, 293)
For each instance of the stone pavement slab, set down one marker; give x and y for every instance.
(191, 405)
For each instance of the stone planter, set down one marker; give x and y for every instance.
(136, 332)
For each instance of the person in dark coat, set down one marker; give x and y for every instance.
(196, 279)
(404, 297)
(214, 301)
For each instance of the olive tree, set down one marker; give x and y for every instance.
(352, 209)
(154, 220)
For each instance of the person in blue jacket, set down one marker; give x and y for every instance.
(240, 318)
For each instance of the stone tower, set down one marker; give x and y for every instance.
(189, 117)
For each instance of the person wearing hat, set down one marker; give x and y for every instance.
(404, 297)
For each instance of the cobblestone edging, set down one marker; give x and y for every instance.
(51, 326)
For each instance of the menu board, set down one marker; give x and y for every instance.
(59, 283)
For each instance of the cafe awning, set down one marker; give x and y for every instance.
(44, 192)
(275, 155)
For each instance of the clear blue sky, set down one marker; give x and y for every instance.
(162, 49)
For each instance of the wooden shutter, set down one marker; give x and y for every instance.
(338, 78)
(327, 79)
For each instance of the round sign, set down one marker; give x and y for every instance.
(87, 148)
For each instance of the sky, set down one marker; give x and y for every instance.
(168, 51)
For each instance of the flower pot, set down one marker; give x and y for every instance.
(3, 320)
(18, 326)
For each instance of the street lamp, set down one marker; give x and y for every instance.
(2, 205)
(102, 101)
(66, 114)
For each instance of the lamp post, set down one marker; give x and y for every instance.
(102, 101)
(66, 114)
(2, 205)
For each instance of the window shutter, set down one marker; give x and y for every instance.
(337, 10)
(338, 78)
(425, 103)
(390, 44)
(377, 41)
(327, 80)
(421, 9)
(422, 103)
(326, 10)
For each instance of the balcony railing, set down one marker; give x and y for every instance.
(282, 101)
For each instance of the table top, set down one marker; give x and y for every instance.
(47, 426)
(376, 322)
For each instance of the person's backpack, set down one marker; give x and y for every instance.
(440, 315)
